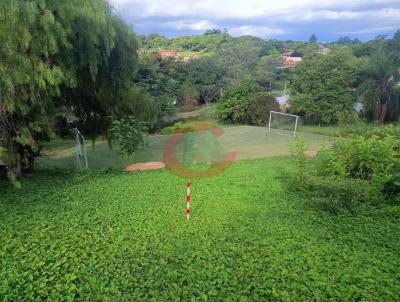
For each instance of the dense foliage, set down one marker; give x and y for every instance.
(259, 106)
(219, 60)
(246, 102)
(118, 236)
(69, 61)
(321, 85)
(358, 169)
(235, 101)
(128, 135)
(331, 79)
(380, 89)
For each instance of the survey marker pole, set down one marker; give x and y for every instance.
(188, 200)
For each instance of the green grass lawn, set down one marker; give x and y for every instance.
(322, 130)
(247, 141)
(119, 236)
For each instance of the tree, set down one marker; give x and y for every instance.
(239, 56)
(157, 83)
(265, 70)
(207, 76)
(70, 56)
(213, 32)
(348, 41)
(235, 101)
(259, 107)
(30, 36)
(105, 92)
(188, 98)
(321, 85)
(313, 39)
(379, 88)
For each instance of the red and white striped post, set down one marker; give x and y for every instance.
(188, 200)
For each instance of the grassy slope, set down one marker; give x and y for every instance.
(97, 235)
(248, 141)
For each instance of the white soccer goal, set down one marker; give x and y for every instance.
(80, 148)
(283, 121)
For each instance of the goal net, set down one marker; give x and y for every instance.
(80, 149)
(283, 121)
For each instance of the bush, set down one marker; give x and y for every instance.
(377, 130)
(372, 159)
(360, 157)
(128, 134)
(178, 127)
(259, 107)
(234, 103)
(356, 170)
(232, 110)
(298, 150)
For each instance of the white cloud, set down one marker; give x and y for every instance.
(260, 17)
(335, 9)
(201, 25)
(259, 31)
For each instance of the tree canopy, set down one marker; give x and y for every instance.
(64, 58)
(321, 86)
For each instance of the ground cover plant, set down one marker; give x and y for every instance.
(109, 236)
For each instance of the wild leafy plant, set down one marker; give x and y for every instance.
(128, 135)
(298, 150)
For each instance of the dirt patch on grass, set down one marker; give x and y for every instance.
(153, 165)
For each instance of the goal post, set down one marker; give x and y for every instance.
(290, 121)
(80, 148)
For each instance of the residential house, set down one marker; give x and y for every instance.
(292, 61)
(283, 102)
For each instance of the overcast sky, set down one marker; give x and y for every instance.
(281, 19)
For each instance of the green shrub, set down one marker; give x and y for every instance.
(232, 110)
(234, 103)
(356, 170)
(178, 127)
(347, 120)
(128, 135)
(372, 159)
(298, 150)
(259, 107)
(363, 158)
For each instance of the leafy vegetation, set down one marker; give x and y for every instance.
(105, 236)
(259, 107)
(356, 170)
(235, 101)
(65, 64)
(128, 135)
(380, 90)
(321, 85)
